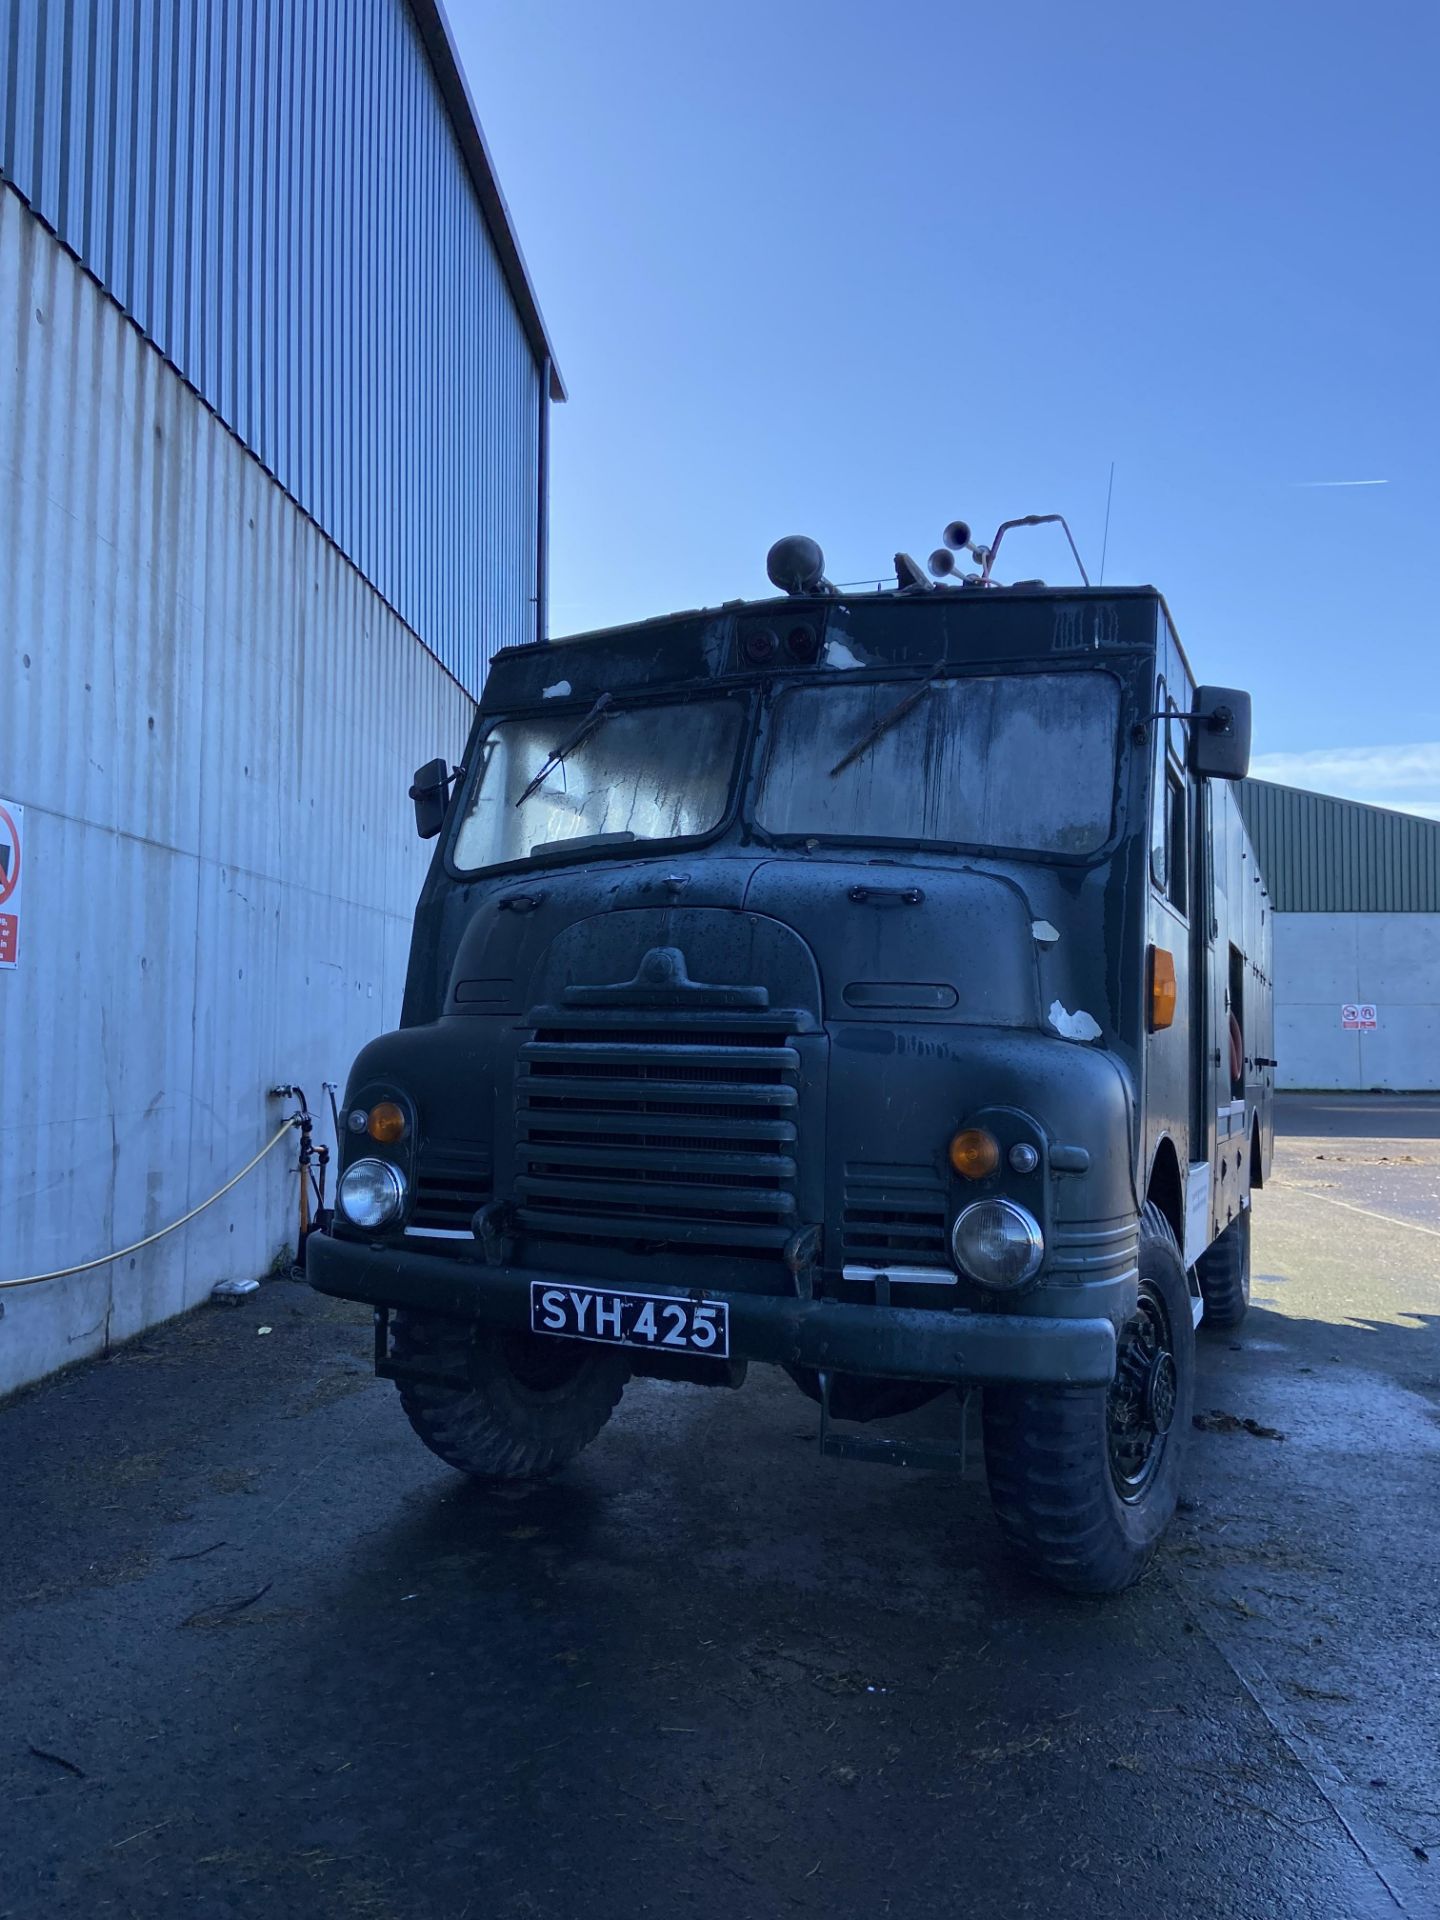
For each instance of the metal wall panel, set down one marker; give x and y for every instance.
(274, 191)
(210, 719)
(1392, 961)
(1320, 854)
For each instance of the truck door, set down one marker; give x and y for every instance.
(1171, 1107)
(1221, 991)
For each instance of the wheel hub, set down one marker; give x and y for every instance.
(1162, 1390)
(1141, 1406)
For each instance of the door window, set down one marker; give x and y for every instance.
(1170, 806)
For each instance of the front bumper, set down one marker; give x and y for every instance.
(906, 1343)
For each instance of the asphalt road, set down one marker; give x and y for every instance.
(260, 1654)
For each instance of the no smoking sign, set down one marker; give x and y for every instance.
(11, 862)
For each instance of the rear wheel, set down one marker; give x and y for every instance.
(532, 1404)
(1224, 1271)
(1084, 1480)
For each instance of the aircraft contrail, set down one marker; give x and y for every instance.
(1340, 483)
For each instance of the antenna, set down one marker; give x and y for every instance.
(1105, 543)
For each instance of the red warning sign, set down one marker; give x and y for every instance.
(11, 861)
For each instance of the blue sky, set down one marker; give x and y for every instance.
(853, 270)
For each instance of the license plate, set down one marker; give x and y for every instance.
(655, 1320)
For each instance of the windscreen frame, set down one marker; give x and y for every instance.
(566, 714)
(902, 680)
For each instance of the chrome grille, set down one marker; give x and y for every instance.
(893, 1213)
(680, 1135)
(451, 1184)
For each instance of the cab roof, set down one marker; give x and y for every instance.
(746, 640)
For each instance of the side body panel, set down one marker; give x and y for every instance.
(1207, 1094)
(1243, 986)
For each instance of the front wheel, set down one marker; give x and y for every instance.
(1084, 1480)
(531, 1405)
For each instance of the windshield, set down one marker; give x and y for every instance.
(1024, 761)
(649, 773)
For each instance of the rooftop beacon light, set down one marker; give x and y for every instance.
(796, 565)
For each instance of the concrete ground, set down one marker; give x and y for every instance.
(261, 1654)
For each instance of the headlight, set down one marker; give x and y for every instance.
(998, 1243)
(371, 1193)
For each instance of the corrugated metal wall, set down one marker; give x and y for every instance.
(273, 190)
(211, 721)
(1324, 855)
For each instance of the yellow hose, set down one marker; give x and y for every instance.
(87, 1266)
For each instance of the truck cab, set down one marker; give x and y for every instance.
(874, 985)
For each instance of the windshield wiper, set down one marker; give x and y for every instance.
(882, 726)
(576, 737)
(583, 840)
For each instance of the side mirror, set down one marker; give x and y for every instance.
(431, 794)
(1220, 733)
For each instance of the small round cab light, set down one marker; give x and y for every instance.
(974, 1153)
(386, 1123)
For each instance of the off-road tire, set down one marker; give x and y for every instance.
(504, 1426)
(1048, 1450)
(1224, 1274)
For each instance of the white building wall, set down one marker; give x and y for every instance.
(1322, 961)
(210, 720)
